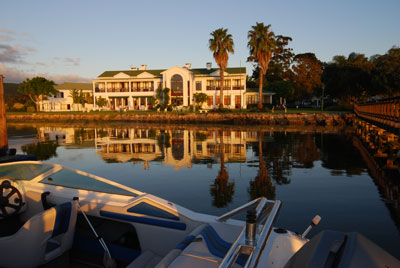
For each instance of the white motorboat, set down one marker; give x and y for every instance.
(52, 216)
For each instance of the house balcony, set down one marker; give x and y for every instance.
(118, 90)
(143, 89)
(238, 87)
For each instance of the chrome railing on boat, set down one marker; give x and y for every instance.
(266, 212)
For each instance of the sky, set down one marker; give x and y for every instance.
(77, 40)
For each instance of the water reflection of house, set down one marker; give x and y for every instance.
(60, 134)
(123, 145)
(65, 136)
(177, 148)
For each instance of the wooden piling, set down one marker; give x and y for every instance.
(3, 123)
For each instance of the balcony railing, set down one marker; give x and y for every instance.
(118, 90)
(100, 90)
(238, 87)
(217, 88)
(142, 89)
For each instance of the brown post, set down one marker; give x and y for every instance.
(3, 123)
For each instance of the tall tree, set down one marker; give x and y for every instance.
(261, 45)
(348, 77)
(281, 60)
(307, 71)
(221, 44)
(38, 89)
(387, 72)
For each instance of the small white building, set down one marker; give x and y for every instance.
(131, 89)
(63, 101)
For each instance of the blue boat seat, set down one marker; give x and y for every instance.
(207, 249)
(203, 247)
(147, 258)
(41, 239)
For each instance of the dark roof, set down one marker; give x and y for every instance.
(130, 72)
(233, 70)
(200, 71)
(70, 85)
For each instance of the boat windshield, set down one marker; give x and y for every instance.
(23, 171)
(70, 179)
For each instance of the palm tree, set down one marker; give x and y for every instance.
(222, 190)
(220, 44)
(261, 185)
(261, 44)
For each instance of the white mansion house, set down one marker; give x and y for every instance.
(131, 89)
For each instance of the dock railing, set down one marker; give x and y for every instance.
(385, 113)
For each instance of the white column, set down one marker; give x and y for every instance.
(214, 100)
(184, 95)
(105, 86)
(145, 103)
(130, 102)
(94, 99)
(129, 86)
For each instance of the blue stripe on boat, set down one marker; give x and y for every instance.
(144, 220)
(188, 239)
(219, 247)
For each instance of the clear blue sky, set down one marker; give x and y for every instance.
(75, 40)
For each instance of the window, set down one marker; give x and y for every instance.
(198, 85)
(210, 100)
(210, 85)
(237, 84)
(252, 99)
(23, 171)
(176, 85)
(227, 100)
(227, 84)
(74, 180)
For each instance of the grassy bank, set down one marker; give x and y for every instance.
(292, 117)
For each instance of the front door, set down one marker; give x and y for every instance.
(238, 102)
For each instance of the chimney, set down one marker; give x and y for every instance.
(208, 64)
(143, 67)
(188, 66)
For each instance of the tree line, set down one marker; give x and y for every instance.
(300, 76)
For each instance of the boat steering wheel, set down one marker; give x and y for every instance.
(10, 198)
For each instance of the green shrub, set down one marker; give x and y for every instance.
(19, 107)
(30, 109)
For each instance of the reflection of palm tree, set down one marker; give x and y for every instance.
(221, 189)
(261, 185)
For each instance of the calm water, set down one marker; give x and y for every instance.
(214, 170)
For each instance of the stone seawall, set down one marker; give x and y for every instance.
(301, 119)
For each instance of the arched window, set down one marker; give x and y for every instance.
(176, 85)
